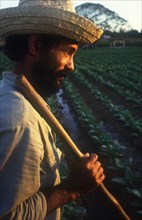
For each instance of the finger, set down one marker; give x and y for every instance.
(94, 168)
(91, 160)
(97, 166)
(100, 179)
(99, 173)
(86, 155)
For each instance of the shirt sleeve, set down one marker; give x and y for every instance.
(34, 208)
(21, 153)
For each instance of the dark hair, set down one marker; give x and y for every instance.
(16, 46)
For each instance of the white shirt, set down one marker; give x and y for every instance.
(28, 156)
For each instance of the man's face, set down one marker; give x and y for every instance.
(52, 66)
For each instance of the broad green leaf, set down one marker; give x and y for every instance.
(119, 180)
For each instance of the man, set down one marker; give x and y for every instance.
(42, 38)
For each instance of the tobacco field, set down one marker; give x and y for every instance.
(100, 106)
(104, 96)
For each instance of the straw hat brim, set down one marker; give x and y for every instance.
(39, 19)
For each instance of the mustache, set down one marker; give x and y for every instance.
(63, 73)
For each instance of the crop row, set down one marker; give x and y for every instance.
(94, 129)
(124, 59)
(129, 178)
(120, 75)
(124, 115)
(127, 94)
(123, 65)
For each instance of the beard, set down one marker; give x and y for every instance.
(46, 79)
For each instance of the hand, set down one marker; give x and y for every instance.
(86, 174)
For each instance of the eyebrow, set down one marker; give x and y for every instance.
(69, 47)
(72, 49)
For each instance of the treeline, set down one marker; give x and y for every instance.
(111, 39)
(128, 34)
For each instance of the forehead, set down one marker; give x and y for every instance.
(69, 44)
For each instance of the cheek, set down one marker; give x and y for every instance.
(49, 64)
(60, 62)
(61, 59)
(54, 60)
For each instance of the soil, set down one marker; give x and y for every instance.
(97, 205)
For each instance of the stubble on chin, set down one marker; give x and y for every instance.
(46, 85)
(47, 80)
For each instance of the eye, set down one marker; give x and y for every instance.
(69, 51)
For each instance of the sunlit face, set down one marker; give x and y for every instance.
(52, 66)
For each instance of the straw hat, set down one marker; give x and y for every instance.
(56, 17)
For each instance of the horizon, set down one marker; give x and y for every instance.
(133, 15)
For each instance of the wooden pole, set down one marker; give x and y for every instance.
(41, 107)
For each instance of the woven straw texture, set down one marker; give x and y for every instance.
(48, 18)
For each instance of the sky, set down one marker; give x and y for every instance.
(130, 10)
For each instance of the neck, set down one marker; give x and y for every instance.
(25, 69)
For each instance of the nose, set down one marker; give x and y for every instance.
(70, 64)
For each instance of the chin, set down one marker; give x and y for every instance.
(49, 89)
(57, 85)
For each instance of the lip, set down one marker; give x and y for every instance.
(59, 80)
(62, 75)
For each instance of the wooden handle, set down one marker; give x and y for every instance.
(41, 106)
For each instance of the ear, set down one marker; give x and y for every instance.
(34, 44)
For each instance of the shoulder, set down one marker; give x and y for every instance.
(15, 110)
